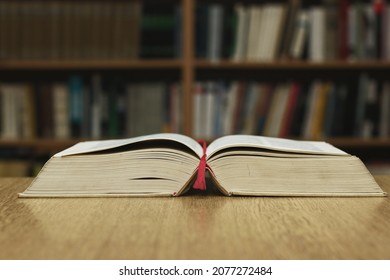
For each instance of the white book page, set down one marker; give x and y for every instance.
(96, 146)
(271, 143)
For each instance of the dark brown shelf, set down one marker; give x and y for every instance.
(89, 64)
(177, 63)
(285, 64)
(40, 145)
(359, 142)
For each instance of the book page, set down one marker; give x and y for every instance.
(96, 146)
(271, 143)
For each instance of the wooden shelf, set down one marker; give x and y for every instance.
(89, 64)
(359, 142)
(177, 64)
(50, 145)
(303, 65)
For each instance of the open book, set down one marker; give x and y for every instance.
(170, 164)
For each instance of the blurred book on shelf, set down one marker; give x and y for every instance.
(74, 30)
(69, 29)
(270, 31)
(160, 31)
(88, 108)
(314, 110)
(214, 31)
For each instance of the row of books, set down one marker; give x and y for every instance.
(256, 32)
(329, 30)
(88, 109)
(292, 109)
(160, 30)
(92, 108)
(69, 29)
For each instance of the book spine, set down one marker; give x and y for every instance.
(4, 20)
(76, 105)
(384, 122)
(61, 111)
(291, 106)
(301, 31)
(215, 32)
(379, 8)
(293, 9)
(242, 31)
(317, 34)
(96, 106)
(343, 29)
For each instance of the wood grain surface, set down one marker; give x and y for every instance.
(193, 227)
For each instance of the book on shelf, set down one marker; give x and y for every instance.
(312, 110)
(384, 118)
(61, 120)
(291, 107)
(170, 164)
(277, 110)
(160, 25)
(215, 31)
(99, 107)
(146, 108)
(326, 31)
(317, 34)
(17, 118)
(70, 29)
(264, 31)
(241, 32)
(292, 10)
(300, 35)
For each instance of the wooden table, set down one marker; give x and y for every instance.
(193, 227)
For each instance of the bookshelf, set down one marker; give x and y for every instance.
(187, 69)
(89, 64)
(294, 65)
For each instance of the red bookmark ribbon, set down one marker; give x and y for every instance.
(200, 182)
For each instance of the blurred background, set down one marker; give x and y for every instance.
(103, 69)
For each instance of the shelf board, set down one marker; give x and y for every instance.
(89, 64)
(359, 142)
(178, 63)
(299, 65)
(39, 144)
